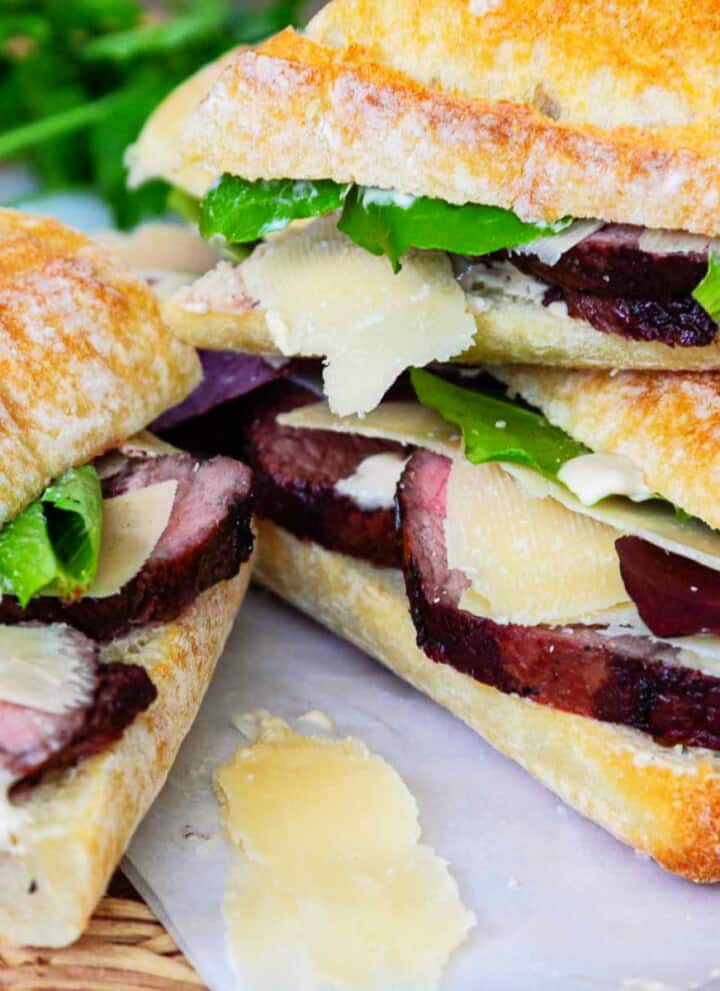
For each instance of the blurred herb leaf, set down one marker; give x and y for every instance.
(78, 78)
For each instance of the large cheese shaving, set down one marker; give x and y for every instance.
(323, 295)
(40, 668)
(329, 886)
(411, 423)
(531, 559)
(132, 525)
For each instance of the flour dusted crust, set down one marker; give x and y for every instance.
(85, 360)
(667, 422)
(663, 801)
(579, 62)
(508, 330)
(80, 821)
(459, 100)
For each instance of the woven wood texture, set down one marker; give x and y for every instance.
(125, 948)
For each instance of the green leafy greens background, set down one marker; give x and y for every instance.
(78, 78)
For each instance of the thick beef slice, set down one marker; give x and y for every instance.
(675, 322)
(610, 262)
(206, 540)
(627, 680)
(32, 741)
(296, 472)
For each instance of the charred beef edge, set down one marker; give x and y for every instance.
(573, 669)
(617, 287)
(295, 482)
(122, 693)
(162, 589)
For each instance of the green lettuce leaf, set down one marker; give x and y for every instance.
(52, 547)
(382, 222)
(387, 224)
(188, 207)
(496, 429)
(708, 292)
(243, 211)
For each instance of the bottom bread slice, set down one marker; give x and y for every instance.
(663, 801)
(74, 827)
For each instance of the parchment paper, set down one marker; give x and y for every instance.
(560, 904)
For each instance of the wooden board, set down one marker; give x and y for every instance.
(125, 948)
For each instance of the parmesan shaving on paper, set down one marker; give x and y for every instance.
(369, 323)
(329, 886)
(132, 525)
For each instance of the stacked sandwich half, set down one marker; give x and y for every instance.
(123, 562)
(495, 224)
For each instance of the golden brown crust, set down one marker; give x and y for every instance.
(294, 108)
(578, 61)
(657, 799)
(85, 360)
(79, 824)
(667, 422)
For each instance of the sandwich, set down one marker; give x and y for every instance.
(556, 192)
(123, 562)
(545, 566)
(536, 548)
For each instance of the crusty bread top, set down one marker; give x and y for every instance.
(650, 64)
(85, 360)
(559, 107)
(667, 422)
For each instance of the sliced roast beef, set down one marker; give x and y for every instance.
(611, 262)
(675, 597)
(206, 540)
(627, 680)
(32, 741)
(675, 322)
(610, 280)
(296, 472)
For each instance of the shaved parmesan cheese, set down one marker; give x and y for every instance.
(411, 423)
(408, 422)
(592, 477)
(664, 242)
(329, 886)
(373, 484)
(551, 249)
(326, 296)
(654, 521)
(40, 668)
(132, 525)
(531, 559)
